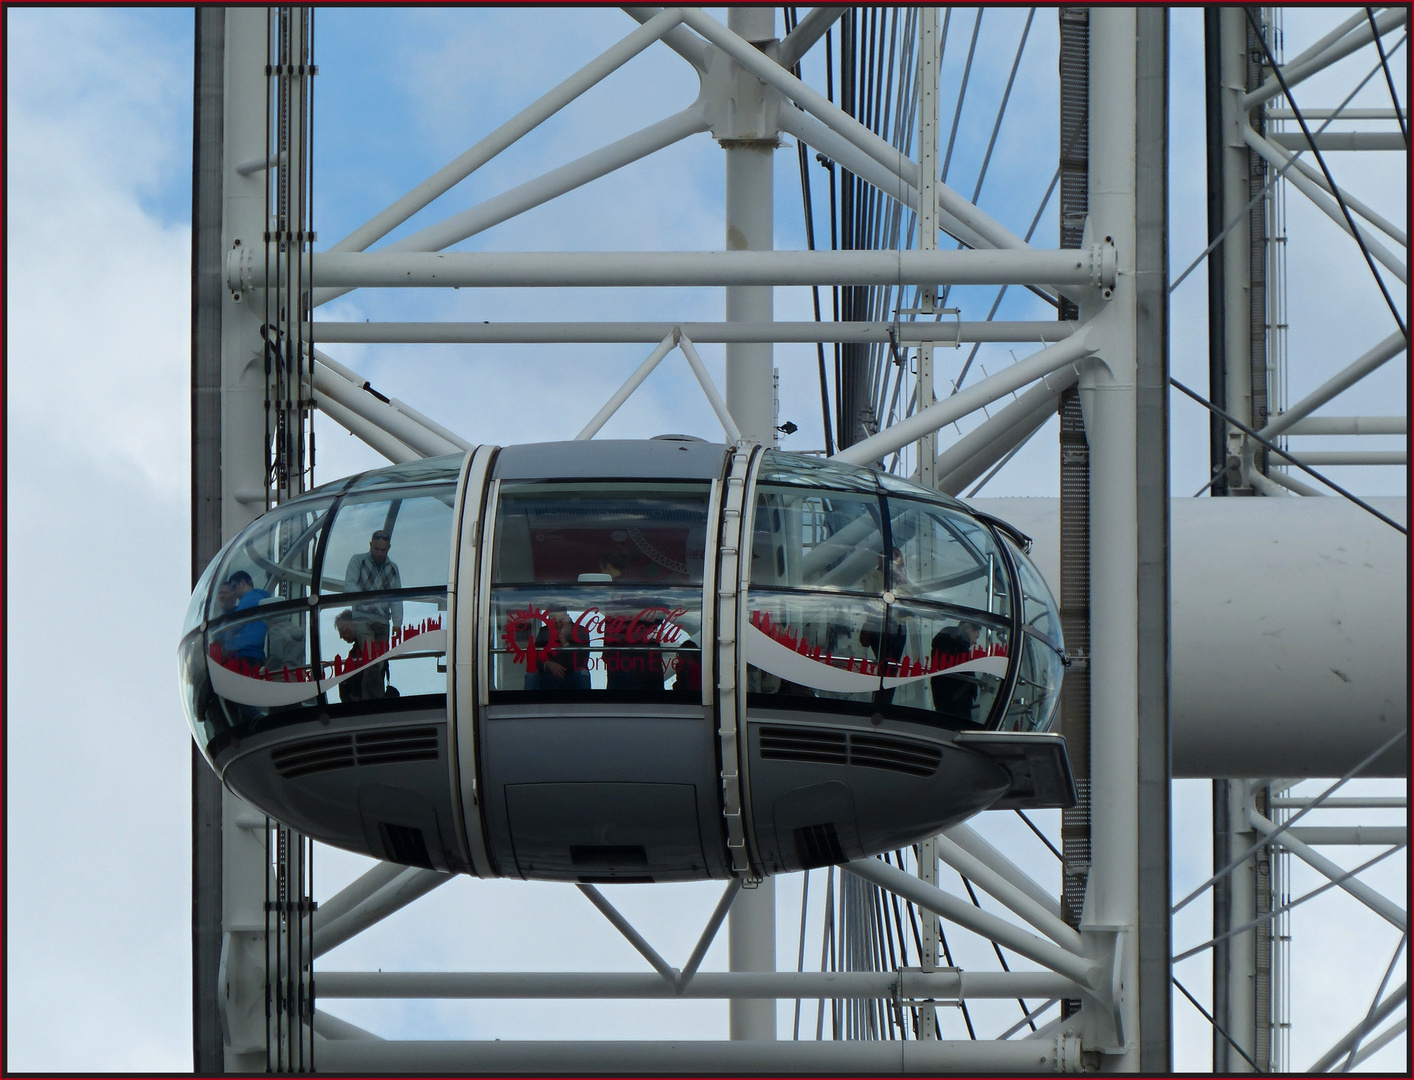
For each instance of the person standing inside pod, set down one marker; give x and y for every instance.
(954, 695)
(373, 572)
(246, 643)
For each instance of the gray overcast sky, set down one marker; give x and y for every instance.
(98, 130)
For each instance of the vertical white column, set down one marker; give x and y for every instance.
(1107, 389)
(244, 858)
(751, 928)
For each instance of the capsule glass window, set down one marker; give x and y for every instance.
(806, 538)
(597, 586)
(945, 557)
(412, 551)
(1038, 606)
(276, 553)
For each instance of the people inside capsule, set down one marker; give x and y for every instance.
(373, 620)
(954, 696)
(244, 644)
(563, 662)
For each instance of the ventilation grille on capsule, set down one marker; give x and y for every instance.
(833, 747)
(364, 748)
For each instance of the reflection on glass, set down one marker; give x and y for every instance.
(640, 532)
(1038, 606)
(380, 542)
(817, 540)
(815, 645)
(596, 637)
(946, 557)
(778, 468)
(1033, 702)
(444, 467)
(365, 660)
(271, 560)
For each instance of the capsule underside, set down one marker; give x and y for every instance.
(625, 661)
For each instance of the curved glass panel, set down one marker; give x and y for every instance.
(1038, 606)
(364, 660)
(597, 586)
(812, 539)
(412, 548)
(805, 471)
(947, 558)
(444, 467)
(954, 665)
(895, 485)
(196, 609)
(273, 559)
(1033, 702)
(813, 645)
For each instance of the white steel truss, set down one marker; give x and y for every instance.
(1116, 964)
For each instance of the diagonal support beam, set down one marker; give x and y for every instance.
(626, 928)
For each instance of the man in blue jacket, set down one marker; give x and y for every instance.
(247, 641)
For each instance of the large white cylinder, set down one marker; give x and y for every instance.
(1290, 631)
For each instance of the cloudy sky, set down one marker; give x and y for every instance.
(98, 553)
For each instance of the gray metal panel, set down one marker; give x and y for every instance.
(1152, 466)
(206, 297)
(652, 459)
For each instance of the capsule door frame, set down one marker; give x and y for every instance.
(466, 596)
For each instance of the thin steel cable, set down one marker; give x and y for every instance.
(1274, 448)
(1393, 96)
(1284, 908)
(962, 92)
(1216, 1026)
(1241, 215)
(1289, 822)
(1325, 170)
(1375, 1004)
(972, 895)
(1042, 836)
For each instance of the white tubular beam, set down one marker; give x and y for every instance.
(948, 985)
(336, 1030)
(1343, 114)
(1281, 480)
(1382, 906)
(713, 397)
(401, 891)
(355, 892)
(680, 39)
(1393, 231)
(1329, 141)
(807, 32)
(540, 190)
(407, 410)
(1277, 157)
(1351, 457)
(1036, 366)
(988, 442)
(1349, 835)
(389, 269)
(1345, 802)
(383, 414)
(1348, 425)
(954, 909)
(626, 928)
(974, 843)
(525, 121)
(886, 179)
(1390, 347)
(771, 73)
(1015, 900)
(463, 333)
(1380, 1041)
(1304, 66)
(1058, 1053)
(1358, 1032)
(634, 382)
(393, 449)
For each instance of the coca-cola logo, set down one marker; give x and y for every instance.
(648, 626)
(529, 622)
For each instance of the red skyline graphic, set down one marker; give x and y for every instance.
(339, 665)
(904, 667)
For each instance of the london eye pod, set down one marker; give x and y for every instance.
(655, 660)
